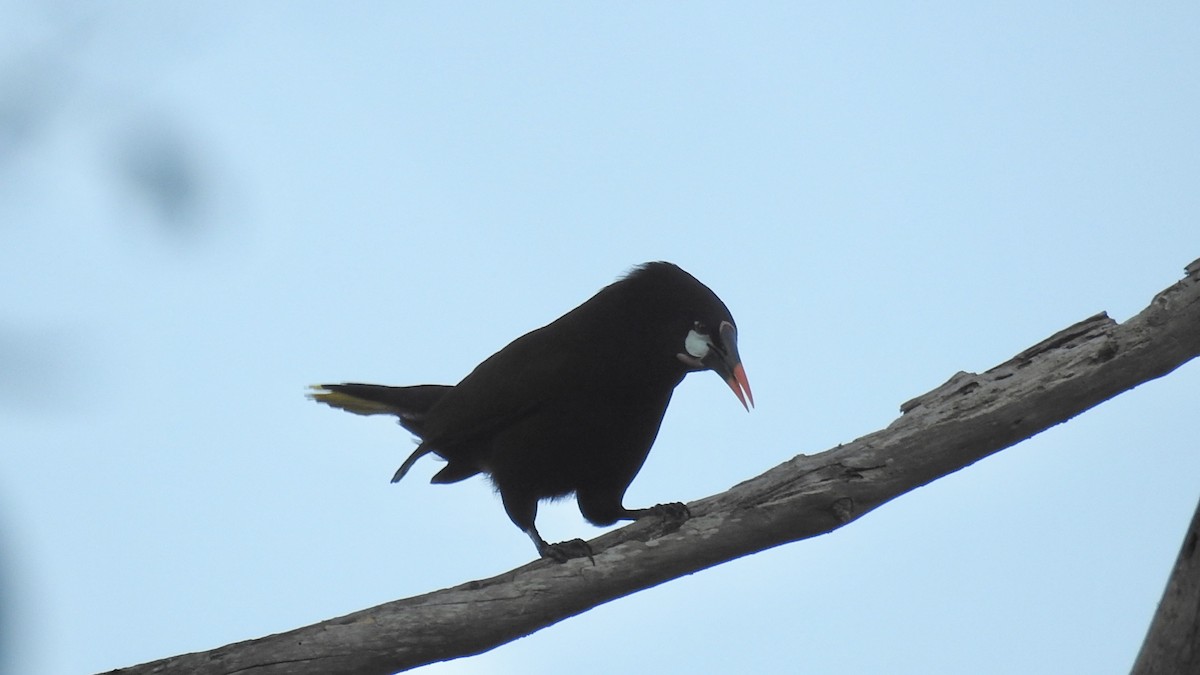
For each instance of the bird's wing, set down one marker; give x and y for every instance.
(508, 386)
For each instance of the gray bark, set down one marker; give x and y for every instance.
(1172, 645)
(966, 419)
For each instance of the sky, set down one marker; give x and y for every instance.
(204, 208)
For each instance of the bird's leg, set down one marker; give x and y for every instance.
(673, 514)
(562, 551)
(522, 510)
(599, 508)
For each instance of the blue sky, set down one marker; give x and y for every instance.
(203, 209)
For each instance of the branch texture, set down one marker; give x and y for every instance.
(966, 419)
(1172, 645)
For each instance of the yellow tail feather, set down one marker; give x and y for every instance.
(348, 403)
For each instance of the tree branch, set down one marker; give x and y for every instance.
(966, 419)
(1172, 645)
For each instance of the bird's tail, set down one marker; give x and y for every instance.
(410, 404)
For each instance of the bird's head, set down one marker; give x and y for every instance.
(712, 345)
(683, 320)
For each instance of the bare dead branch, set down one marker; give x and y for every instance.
(1172, 645)
(968, 418)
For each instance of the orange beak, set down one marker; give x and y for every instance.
(741, 386)
(725, 360)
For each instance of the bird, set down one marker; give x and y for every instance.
(572, 407)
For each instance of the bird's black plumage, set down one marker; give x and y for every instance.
(572, 407)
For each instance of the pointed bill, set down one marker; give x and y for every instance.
(728, 364)
(741, 386)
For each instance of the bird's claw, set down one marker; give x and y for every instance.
(673, 515)
(567, 550)
(672, 511)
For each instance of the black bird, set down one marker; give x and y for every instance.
(572, 407)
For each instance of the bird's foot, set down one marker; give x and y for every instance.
(567, 550)
(673, 515)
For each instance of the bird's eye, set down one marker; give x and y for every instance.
(699, 327)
